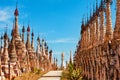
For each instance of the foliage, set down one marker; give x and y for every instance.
(71, 73)
(74, 74)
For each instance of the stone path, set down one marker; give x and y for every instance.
(51, 75)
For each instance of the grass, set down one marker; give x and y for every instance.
(64, 75)
(30, 76)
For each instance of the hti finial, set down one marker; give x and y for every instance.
(28, 29)
(16, 13)
(23, 29)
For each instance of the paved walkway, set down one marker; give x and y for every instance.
(51, 75)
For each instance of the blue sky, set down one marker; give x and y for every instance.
(57, 21)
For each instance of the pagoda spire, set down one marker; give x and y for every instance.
(117, 24)
(23, 31)
(70, 57)
(62, 60)
(83, 33)
(50, 56)
(94, 31)
(87, 35)
(97, 29)
(16, 32)
(109, 32)
(5, 56)
(91, 28)
(96, 5)
(28, 46)
(1, 41)
(32, 42)
(38, 51)
(56, 62)
(43, 47)
(46, 49)
(13, 30)
(102, 27)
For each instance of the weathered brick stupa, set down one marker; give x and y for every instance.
(98, 50)
(17, 57)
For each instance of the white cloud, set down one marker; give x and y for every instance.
(63, 40)
(6, 16)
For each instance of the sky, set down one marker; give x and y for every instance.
(56, 21)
